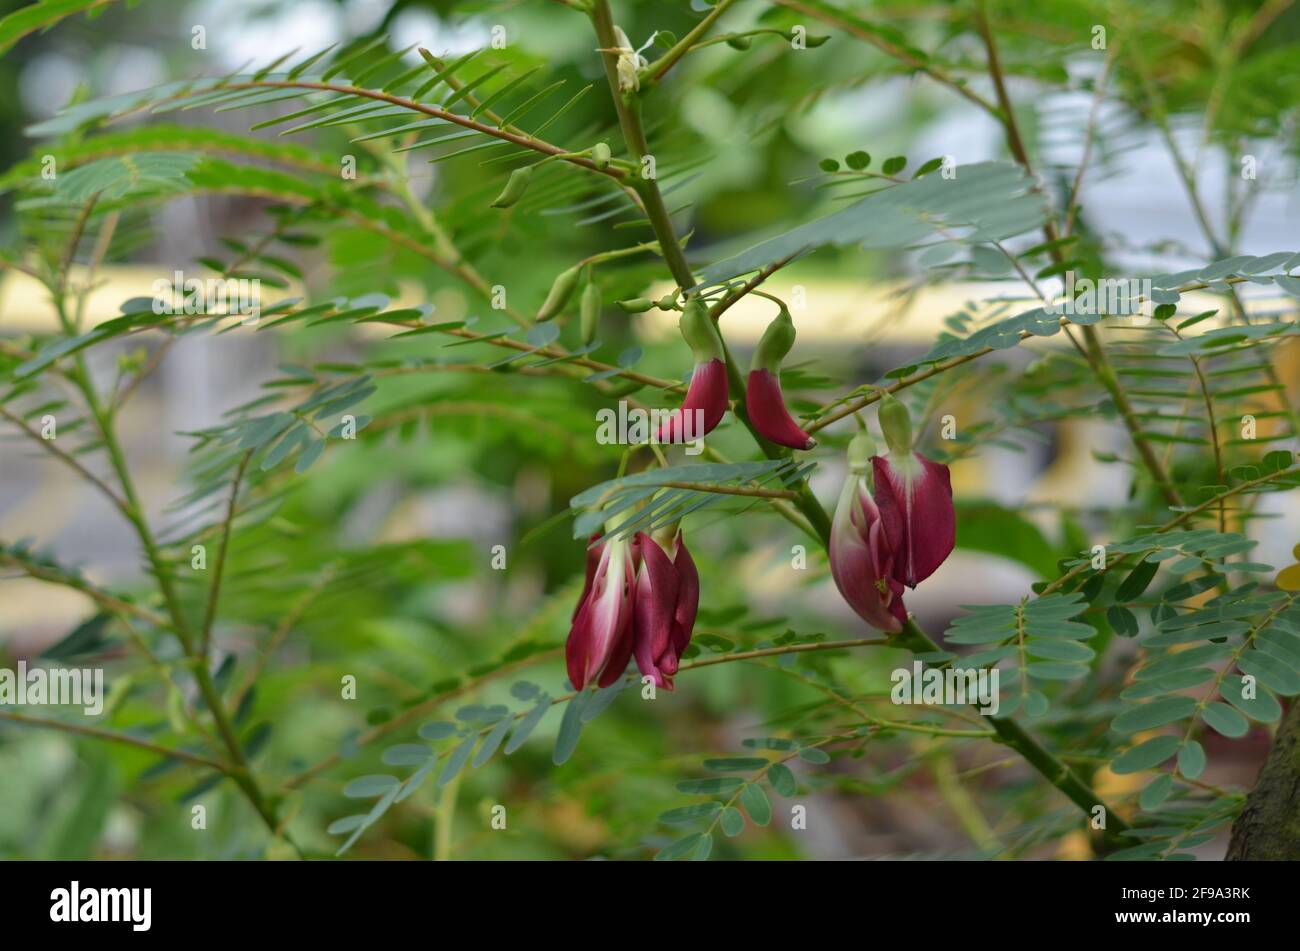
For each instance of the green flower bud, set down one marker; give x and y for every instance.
(560, 293)
(700, 332)
(861, 448)
(775, 343)
(739, 42)
(896, 424)
(515, 187)
(600, 155)
(637, 305)
(589, 312)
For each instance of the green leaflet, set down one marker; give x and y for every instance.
(986, 200)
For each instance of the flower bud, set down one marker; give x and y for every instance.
(560, 293)
(896, 424)
(589, 312)
(636, 305)
(516, 185)
(706, 397)
(776, 342)
(600, 155)
(700, 332)
(763, 398)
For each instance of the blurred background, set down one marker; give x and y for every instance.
(379, 560)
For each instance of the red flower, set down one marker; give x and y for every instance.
(706, 397)
(915, 498)
(766, 407)
(600, 638)
(862, 562)
(764, 401)
(664, 605)
(706, 402)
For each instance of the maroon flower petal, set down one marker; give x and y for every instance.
(688, 601)
(915, 500)
(593, 559)
(654, 607)
(600, 638)
(707, 394)
(767, 411)
(858, 559)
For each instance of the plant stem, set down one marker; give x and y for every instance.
(1015, 736)
(656, 70)
(629, 120)
(210, 613)
(134, 512)
(109, 736)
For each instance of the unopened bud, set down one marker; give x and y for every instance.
(775, 343)
(560, 293)
(700, 332)
(589, 312)
(896, 424)
(515, 187)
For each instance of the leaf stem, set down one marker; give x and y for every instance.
(124, 739)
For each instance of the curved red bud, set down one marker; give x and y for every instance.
(767, 411)
(861, 561)
(599, 645)
(915, 498)
(703, 408)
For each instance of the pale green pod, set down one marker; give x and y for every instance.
(515, 187)
(560, 293)
(589, 312)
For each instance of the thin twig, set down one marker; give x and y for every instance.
(111, 737)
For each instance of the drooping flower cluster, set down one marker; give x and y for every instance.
(640, 600)
(894, 524)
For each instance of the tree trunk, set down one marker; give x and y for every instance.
(1269, 826)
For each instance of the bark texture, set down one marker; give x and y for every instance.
(1269, 826)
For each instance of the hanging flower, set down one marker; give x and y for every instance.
(915, 499)
(861, 559)
(763, 398)
(664, 605)
(706, 397)
(599, 645)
